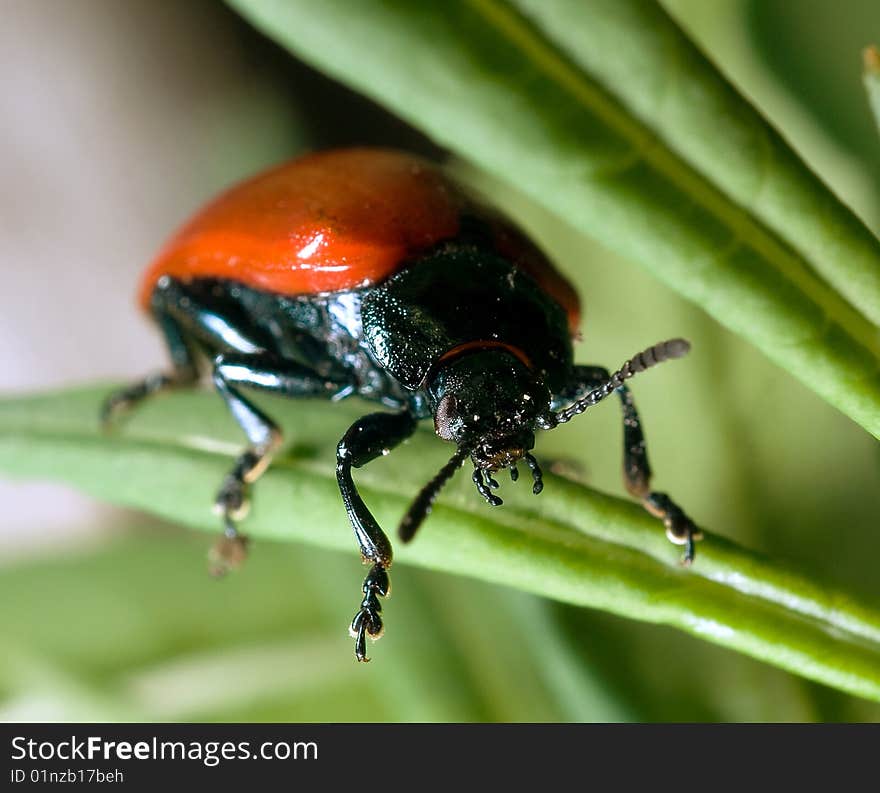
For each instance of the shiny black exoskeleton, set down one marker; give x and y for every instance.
(462, 336)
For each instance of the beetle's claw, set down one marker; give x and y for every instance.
(357, 630)
(689, 551)
(116, 406)
(692, 535)
(368, 622)
(109, 410)
(229, 551)
(680, 529)
(121, 402)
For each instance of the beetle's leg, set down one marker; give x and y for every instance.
(680, 529)
(265, 372)
(189, 318)
(368, 438)
(184, 371)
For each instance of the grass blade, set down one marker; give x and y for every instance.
(641, 57)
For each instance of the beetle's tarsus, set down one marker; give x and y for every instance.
(120, 403)
(232, 501)
(689, 551)
(368, 622)
(680, 529)
(229, 552)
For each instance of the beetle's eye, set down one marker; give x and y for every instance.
(445, 417)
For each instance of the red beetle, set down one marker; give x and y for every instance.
(370, 272)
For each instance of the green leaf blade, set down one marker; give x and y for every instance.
(638, 53)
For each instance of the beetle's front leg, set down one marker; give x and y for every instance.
(368, 438)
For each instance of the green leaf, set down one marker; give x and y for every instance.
(606, 114)
(577, 546)
(636, 52)
(136, 630)
(872, 81)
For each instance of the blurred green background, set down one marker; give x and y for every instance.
(115, 618)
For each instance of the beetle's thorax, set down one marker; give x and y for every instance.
(460, 298)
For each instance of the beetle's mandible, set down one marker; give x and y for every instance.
(370, 272)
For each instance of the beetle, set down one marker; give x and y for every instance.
(370, 272)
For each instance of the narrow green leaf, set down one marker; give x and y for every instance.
(482, 79)
(638, 54)
(136, 630)
(872, 81)
(590, 550)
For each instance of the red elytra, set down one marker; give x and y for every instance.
(336, 221)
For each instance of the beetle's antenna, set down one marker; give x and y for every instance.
(423, 502)
(664, 351)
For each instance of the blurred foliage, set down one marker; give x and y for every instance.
(150, 638)
(872, 81)
(136, 631)
(793, 41)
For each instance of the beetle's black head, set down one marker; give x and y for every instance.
(487, 402)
